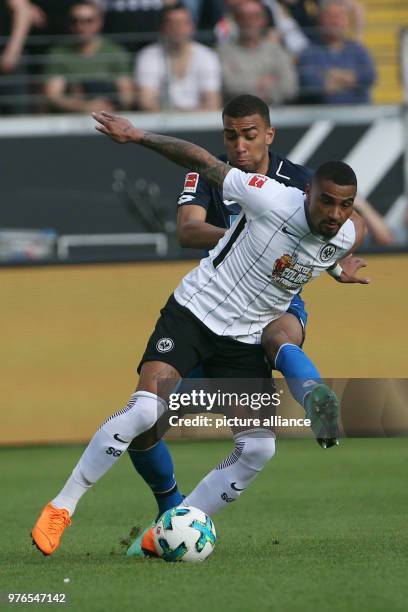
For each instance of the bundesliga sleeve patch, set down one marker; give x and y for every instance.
(258, 180)
(191, 182)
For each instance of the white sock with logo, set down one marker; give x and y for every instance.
(225, 483)
(108, 444)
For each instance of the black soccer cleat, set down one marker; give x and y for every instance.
(322, 408)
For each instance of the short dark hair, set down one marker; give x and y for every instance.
(178, 6)
(245, 105)
(337, 171)
(91, 3)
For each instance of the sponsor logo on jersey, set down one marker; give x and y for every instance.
(164, 345)
(327, 252)
(289, 273)
(258, 180)
(286, 231)
(191, 182)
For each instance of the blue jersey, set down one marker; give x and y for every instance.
(222, 213)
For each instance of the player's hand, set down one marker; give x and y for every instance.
(121, 130)
(351, 265)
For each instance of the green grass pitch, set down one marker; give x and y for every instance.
(318, 530)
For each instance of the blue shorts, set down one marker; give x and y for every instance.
(297, 308)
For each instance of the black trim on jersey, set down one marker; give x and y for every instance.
(228, 246)
(246, 272)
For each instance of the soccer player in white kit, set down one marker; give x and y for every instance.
(282, 240)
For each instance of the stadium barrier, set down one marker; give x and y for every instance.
(72, 337)
(77, 182)
(158, 241)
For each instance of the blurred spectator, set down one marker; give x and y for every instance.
(256, 62)
(177, 73)
(226, 30)
(306, 14)
(136, 22)
(337, 70)
(279, 23)
(92, 73)
(15, 23)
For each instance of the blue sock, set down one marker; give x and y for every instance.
(299, 371)
(155, 466)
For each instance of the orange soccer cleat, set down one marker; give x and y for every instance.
(49, 528)
(147, 544)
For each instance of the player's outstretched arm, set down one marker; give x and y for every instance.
(179, 151)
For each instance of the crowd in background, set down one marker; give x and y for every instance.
(152, 55)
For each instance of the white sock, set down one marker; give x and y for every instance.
(108, 444)
(227, 481)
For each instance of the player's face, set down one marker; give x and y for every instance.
(246, 141)
(329, 205)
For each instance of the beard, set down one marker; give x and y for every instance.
(328, 233)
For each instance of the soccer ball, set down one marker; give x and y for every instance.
(184, 534)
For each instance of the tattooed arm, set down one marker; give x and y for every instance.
(181, 152)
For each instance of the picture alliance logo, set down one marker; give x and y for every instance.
(164, 345)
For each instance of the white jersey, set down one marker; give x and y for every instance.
(270, 253)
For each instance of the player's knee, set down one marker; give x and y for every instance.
(139, 415)
(286, 329)
(148, 408)
(258, 448)
(272, 340)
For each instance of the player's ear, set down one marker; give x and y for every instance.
(270, 135)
